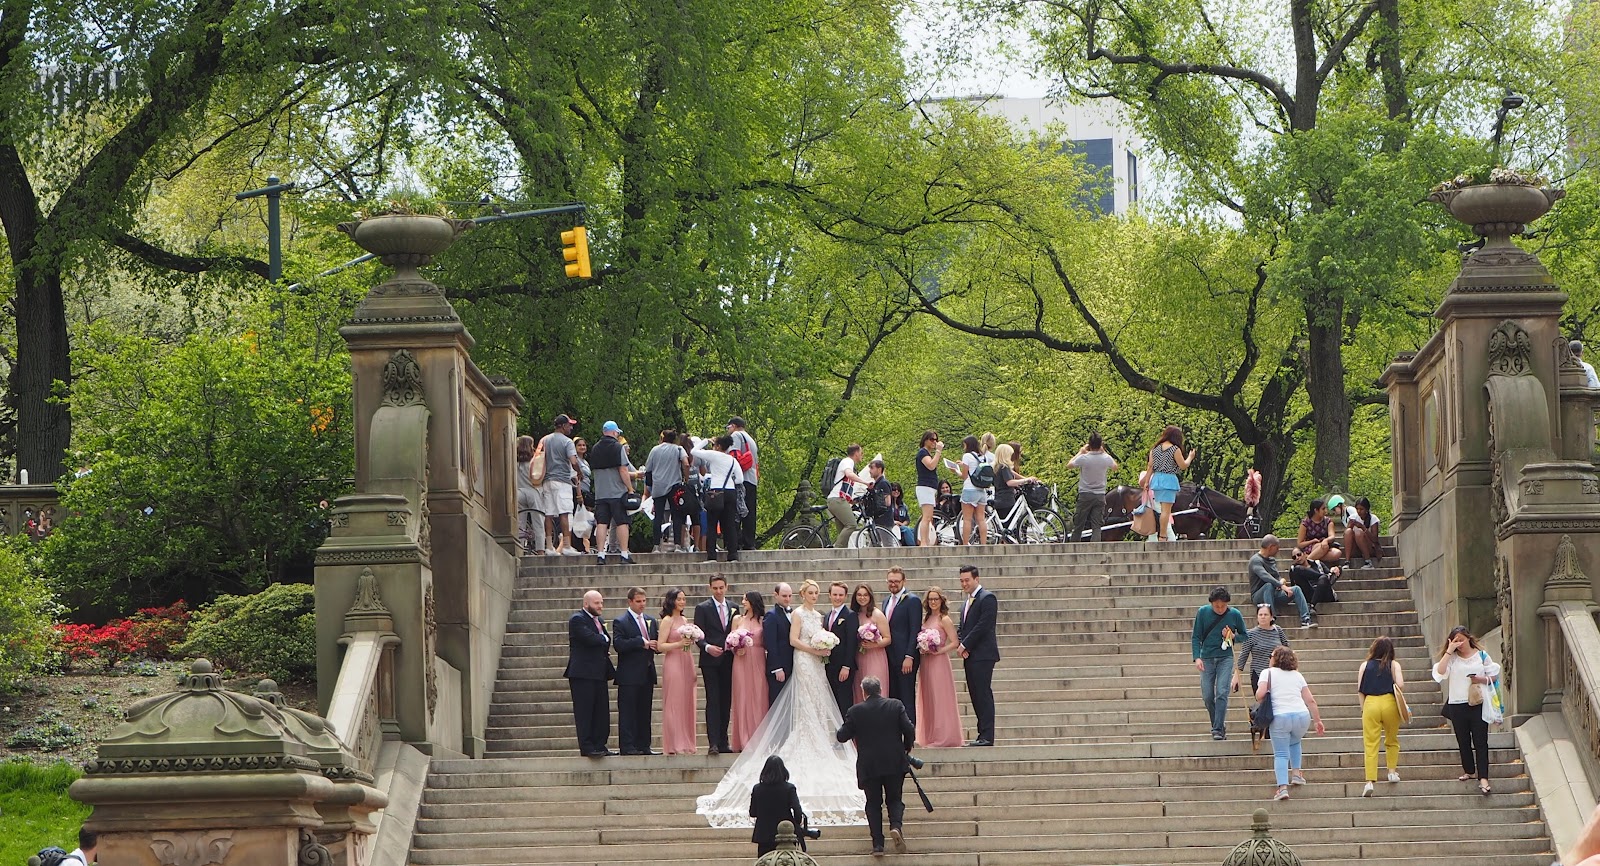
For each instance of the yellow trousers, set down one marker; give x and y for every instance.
(1380, 716)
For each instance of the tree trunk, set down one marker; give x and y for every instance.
(1330, 403)
(44, 425)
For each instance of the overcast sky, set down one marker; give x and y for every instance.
(959, 62)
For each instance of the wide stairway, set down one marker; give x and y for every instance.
(1104, 753)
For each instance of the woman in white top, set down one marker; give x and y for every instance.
(1462, 667)
(1294, 709)
(974, 499)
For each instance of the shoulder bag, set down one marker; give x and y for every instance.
(536, 466)
(1261, 716)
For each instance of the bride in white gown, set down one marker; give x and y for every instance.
(799, 728)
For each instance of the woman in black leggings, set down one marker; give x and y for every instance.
(1467, 675)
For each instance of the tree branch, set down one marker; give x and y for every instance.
(1266, 83)
(172, 261)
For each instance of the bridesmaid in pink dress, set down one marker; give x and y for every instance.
(677, 679)
(938, 715)
(874, 658)
(749, 674)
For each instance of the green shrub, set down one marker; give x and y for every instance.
(37, 810)
(273, 632)
(26, 609)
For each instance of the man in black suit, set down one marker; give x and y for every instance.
(588, 670)
(841, 620)
(980, 650)
(716, 663)
(884, 735)
(636, 633)
(775, 634)
(904, 611)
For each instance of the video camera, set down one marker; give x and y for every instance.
(812, 832)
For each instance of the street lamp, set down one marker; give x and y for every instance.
(1508, 103)
(274, 190)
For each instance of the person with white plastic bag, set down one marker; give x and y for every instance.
(1472, 702)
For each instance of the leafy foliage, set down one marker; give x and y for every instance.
(37, 810)
(273, 632)
(26, 610)
(148, 635)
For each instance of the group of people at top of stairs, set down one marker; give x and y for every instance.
(573, 499)
(1285, 708)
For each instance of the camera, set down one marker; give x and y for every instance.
(812, 832)
(915, 762)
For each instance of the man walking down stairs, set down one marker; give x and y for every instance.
(1105, 756)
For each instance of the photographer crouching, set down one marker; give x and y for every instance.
(774, 800)
(883, 735)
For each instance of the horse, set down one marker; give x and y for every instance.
(1196, 510)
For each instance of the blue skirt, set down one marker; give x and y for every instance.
(1164, 486)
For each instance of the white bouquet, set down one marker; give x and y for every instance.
(825, 641)
(692, 632)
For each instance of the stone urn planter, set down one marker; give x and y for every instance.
(405, 242)
(1497, 210)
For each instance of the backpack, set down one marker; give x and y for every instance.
(605, 454)
(830, 475)
(53, 856)
(983, 476)
(744, 456)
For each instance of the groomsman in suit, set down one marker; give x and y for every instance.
(884, 735)
(589, 668)
(842, 661)
(980, 650)
(716, 663)
(775, 634)
(904, 611)
(636, 633)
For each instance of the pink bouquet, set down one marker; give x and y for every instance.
(692, 632)
(740, 639)
(929, 640)
(868, 633)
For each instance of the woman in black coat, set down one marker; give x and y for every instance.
(772, 801)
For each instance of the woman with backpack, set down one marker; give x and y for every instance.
(977, 478)
(1166, 461)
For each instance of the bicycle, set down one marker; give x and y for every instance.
(821, 534)
(1025, 525)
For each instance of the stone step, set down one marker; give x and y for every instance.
(1157, 578)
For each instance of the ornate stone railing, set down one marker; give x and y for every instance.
(28, 508)
(1572, 645)
(362, 707)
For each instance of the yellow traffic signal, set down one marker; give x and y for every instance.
(575, 250)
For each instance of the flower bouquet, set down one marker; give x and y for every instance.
(929, 640)
(869, 634)
(692, 632)
(825, 641)
(740, 639)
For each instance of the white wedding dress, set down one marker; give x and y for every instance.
(799, 728)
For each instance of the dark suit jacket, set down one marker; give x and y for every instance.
(883, 734)
(843, 655)
(772, 804)
(705, 616)
(976, 632)
(636, 664)
(588, 649)
(775, 634)
(903, 628)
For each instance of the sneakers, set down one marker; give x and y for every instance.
(1393, 777)
(1306, 622)
(1218, 735)
(567, 551)
(1367, 791)
(1297, 778)
(626, 558)
(599, 559)
(1283, 793)
(551, 551)
(1366, 563)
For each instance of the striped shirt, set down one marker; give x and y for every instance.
(1257, 647)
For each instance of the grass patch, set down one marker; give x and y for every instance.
(37, 811)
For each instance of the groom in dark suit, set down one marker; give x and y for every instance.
(775, 635)
(636, 633)
(884, 735)
(841, 620)
(904, 611)
(588, 670)
(980, 650)
(716, 663)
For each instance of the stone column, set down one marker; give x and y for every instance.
(206, 776)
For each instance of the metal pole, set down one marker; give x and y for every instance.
(274, 232)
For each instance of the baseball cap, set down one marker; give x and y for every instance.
(564, 419)
(610, 427)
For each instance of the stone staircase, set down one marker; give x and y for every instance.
(1104, 755)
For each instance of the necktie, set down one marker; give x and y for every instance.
(602, 629)
(832, 618)
(722, 611)
(643, 632)
(893, 600)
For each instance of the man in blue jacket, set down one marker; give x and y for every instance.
(1215, 626)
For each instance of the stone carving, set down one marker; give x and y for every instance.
(1261, 849)
(1510, 351)
(366, 555)
(424, 532)
(1565, 359)
(402, 380)
(398, 518)
(430, 641)
(1591, 487)
(1567, 570)
(192, 847)
(312, 853)
(1533, 488)
(340, 520)
(367, 598)
(5, 520)
(1502, 258)
(1502, 594)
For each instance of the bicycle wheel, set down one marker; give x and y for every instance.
(874, 535)
(945, 531)
(998, 534)
(800, 538)
(1046, 527)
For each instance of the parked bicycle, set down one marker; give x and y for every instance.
(820, 534)
(1030, 521)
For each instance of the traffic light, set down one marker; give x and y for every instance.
(575, 250)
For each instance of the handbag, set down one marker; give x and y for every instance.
(1261, 716)
(1400, 703)
(536, 466)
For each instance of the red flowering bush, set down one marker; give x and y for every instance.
(149, 634)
